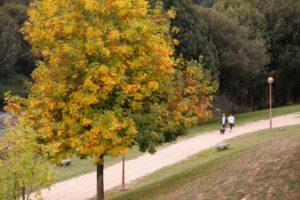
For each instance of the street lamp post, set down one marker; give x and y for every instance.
(270, 81)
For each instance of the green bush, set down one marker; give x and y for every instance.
(23, 169)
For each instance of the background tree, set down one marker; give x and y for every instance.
(24, 2)
(9, 42)
(24, 169)
(18, 11)
(251, 19)
(16, 61)
(240, 58)
(246, 14)
(192, 34)
(233, 51)
(102, 62)
(204, 3)
(185, 103)
(191, 91)
(282, 34)
(276, 23)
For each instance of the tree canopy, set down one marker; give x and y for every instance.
(95, 72)
(104, 67)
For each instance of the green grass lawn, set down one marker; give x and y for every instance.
(80, 167)
(259, 165)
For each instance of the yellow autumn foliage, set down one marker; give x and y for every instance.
(101, 61)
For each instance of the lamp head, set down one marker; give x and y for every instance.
(270, 80)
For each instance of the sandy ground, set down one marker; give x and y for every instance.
(84, 187)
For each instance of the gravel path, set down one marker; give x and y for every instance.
(84, 187)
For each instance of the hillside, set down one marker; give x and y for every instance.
(257, 166)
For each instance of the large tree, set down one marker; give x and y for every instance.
(102, 62)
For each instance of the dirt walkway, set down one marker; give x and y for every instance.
(84, 187)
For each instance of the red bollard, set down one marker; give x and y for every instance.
(123, 172)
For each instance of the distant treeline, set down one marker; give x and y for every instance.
(16, 60)
(241, 42)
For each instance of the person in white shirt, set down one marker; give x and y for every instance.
(223, 123)
(231, 121)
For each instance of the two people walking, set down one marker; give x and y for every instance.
(224, 121)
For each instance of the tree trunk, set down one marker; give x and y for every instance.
(289, 88)
(100, 182)
(232, 106)
(252, 100)
(23, 193)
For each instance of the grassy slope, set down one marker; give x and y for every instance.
(257, 166)
(80, 167)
